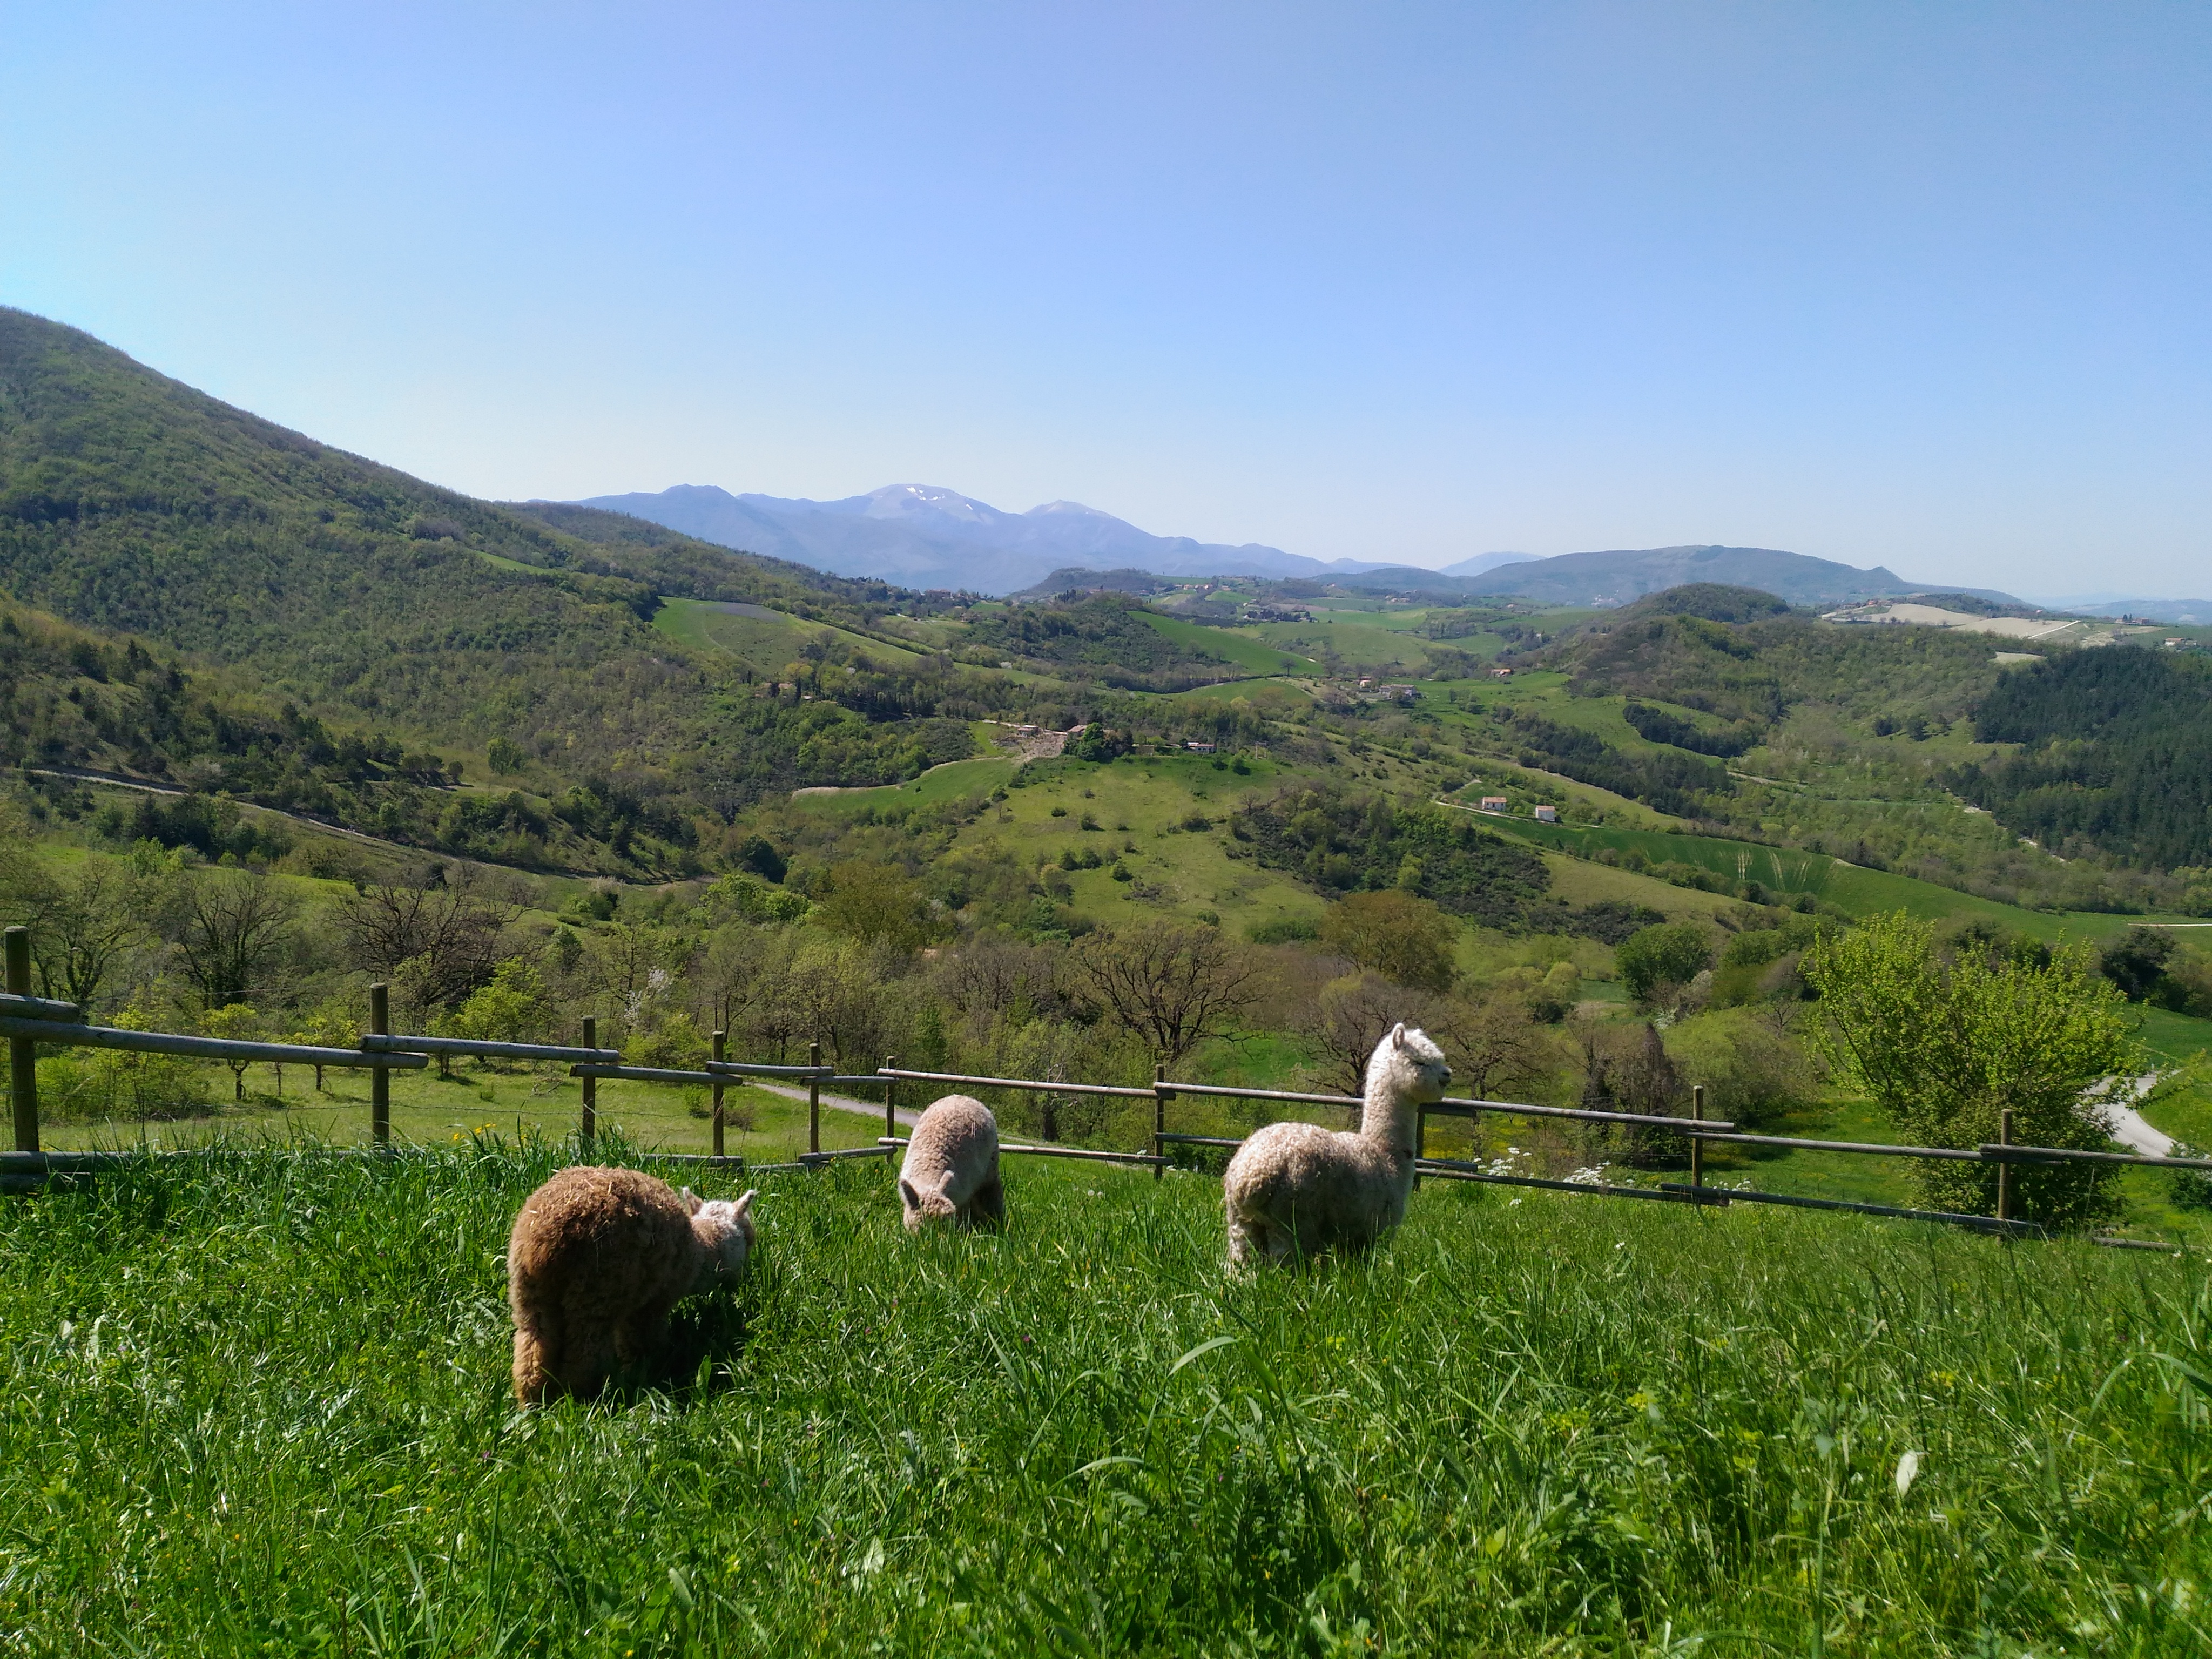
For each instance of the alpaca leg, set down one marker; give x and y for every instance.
(588, 1362)
(989, 1207)
(533, 1366)
(640, 1337)
(1240, 1244)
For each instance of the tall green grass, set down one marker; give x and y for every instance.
(258, 1404)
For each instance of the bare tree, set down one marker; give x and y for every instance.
(81, 928)
(448, 931)
(996, 975)
(1171, 986)
(232, 935)
(1354, 1013)
(1494, 1044)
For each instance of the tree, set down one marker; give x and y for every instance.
(512, 1008)
(231, 935)
(326, 1027)
(1171, 986)
(448, 931)
(1671, 953)
(1944, 1047)
(877, 903)
(81, 927)
(2136, 962)
(1493, 1042)
(1400, 937)
(1631, 1071)
(237, 1023)
(1352, 1014)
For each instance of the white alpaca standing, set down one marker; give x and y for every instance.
(1296, 1189)
(952, 1167)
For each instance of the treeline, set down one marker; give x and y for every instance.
(1101, 636)
(2117, 754)
(1680, 784)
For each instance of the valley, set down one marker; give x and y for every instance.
(665, 776)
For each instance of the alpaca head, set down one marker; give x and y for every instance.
(930, 1203)
(1406, 1064)
(725, 1226)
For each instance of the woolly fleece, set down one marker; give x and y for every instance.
(597, 1259)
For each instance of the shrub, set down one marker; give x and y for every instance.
(1943, 1047)
(1404, 939)
(1673, 953)
(1753, 1074)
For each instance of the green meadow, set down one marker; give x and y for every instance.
(257, 1403)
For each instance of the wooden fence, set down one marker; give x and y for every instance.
(27, 1021)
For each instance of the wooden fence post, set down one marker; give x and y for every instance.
(722, 1052)
(380, 1080)
(587, 1127)
(1697, 1146)
(22, 1052)
(891, 1087)
(813, 1100)
(1161, 1094)
(2004, 1170)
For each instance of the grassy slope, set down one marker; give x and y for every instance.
(1178, 872)
(268, 1402)
(1241, 648)
(768, 643)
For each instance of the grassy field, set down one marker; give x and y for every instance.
(768, 640)
(1856, 890)
(1246, 650)
(431, 1111)
(258, 1404)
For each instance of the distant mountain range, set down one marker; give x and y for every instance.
(924, 536)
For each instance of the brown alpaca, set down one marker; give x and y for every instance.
(597, 1259)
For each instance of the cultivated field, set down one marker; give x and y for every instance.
(259, 1404)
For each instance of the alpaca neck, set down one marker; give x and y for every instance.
(1388, 1116)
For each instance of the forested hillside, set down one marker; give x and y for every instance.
(2115, 751)
(383, 617)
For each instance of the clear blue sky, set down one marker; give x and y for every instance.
(1926, 286)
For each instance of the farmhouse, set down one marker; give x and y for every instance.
(1197, 746)
(1547, 815)
(1493, 804)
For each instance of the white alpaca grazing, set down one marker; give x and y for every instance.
(1295, 1189)
(952, 1167)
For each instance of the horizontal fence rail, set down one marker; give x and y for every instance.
(382, 1042)
(1084, 1154)
(199, 1047)
(1454, 1169)
(1033, 1084)
(27, 1021)
(30, 1008)
(1958, 1219)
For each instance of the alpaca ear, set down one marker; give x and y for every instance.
(1398, 1034)
(911, 1198)
(945, 1183)
(743, 1206)
(690, 1201)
